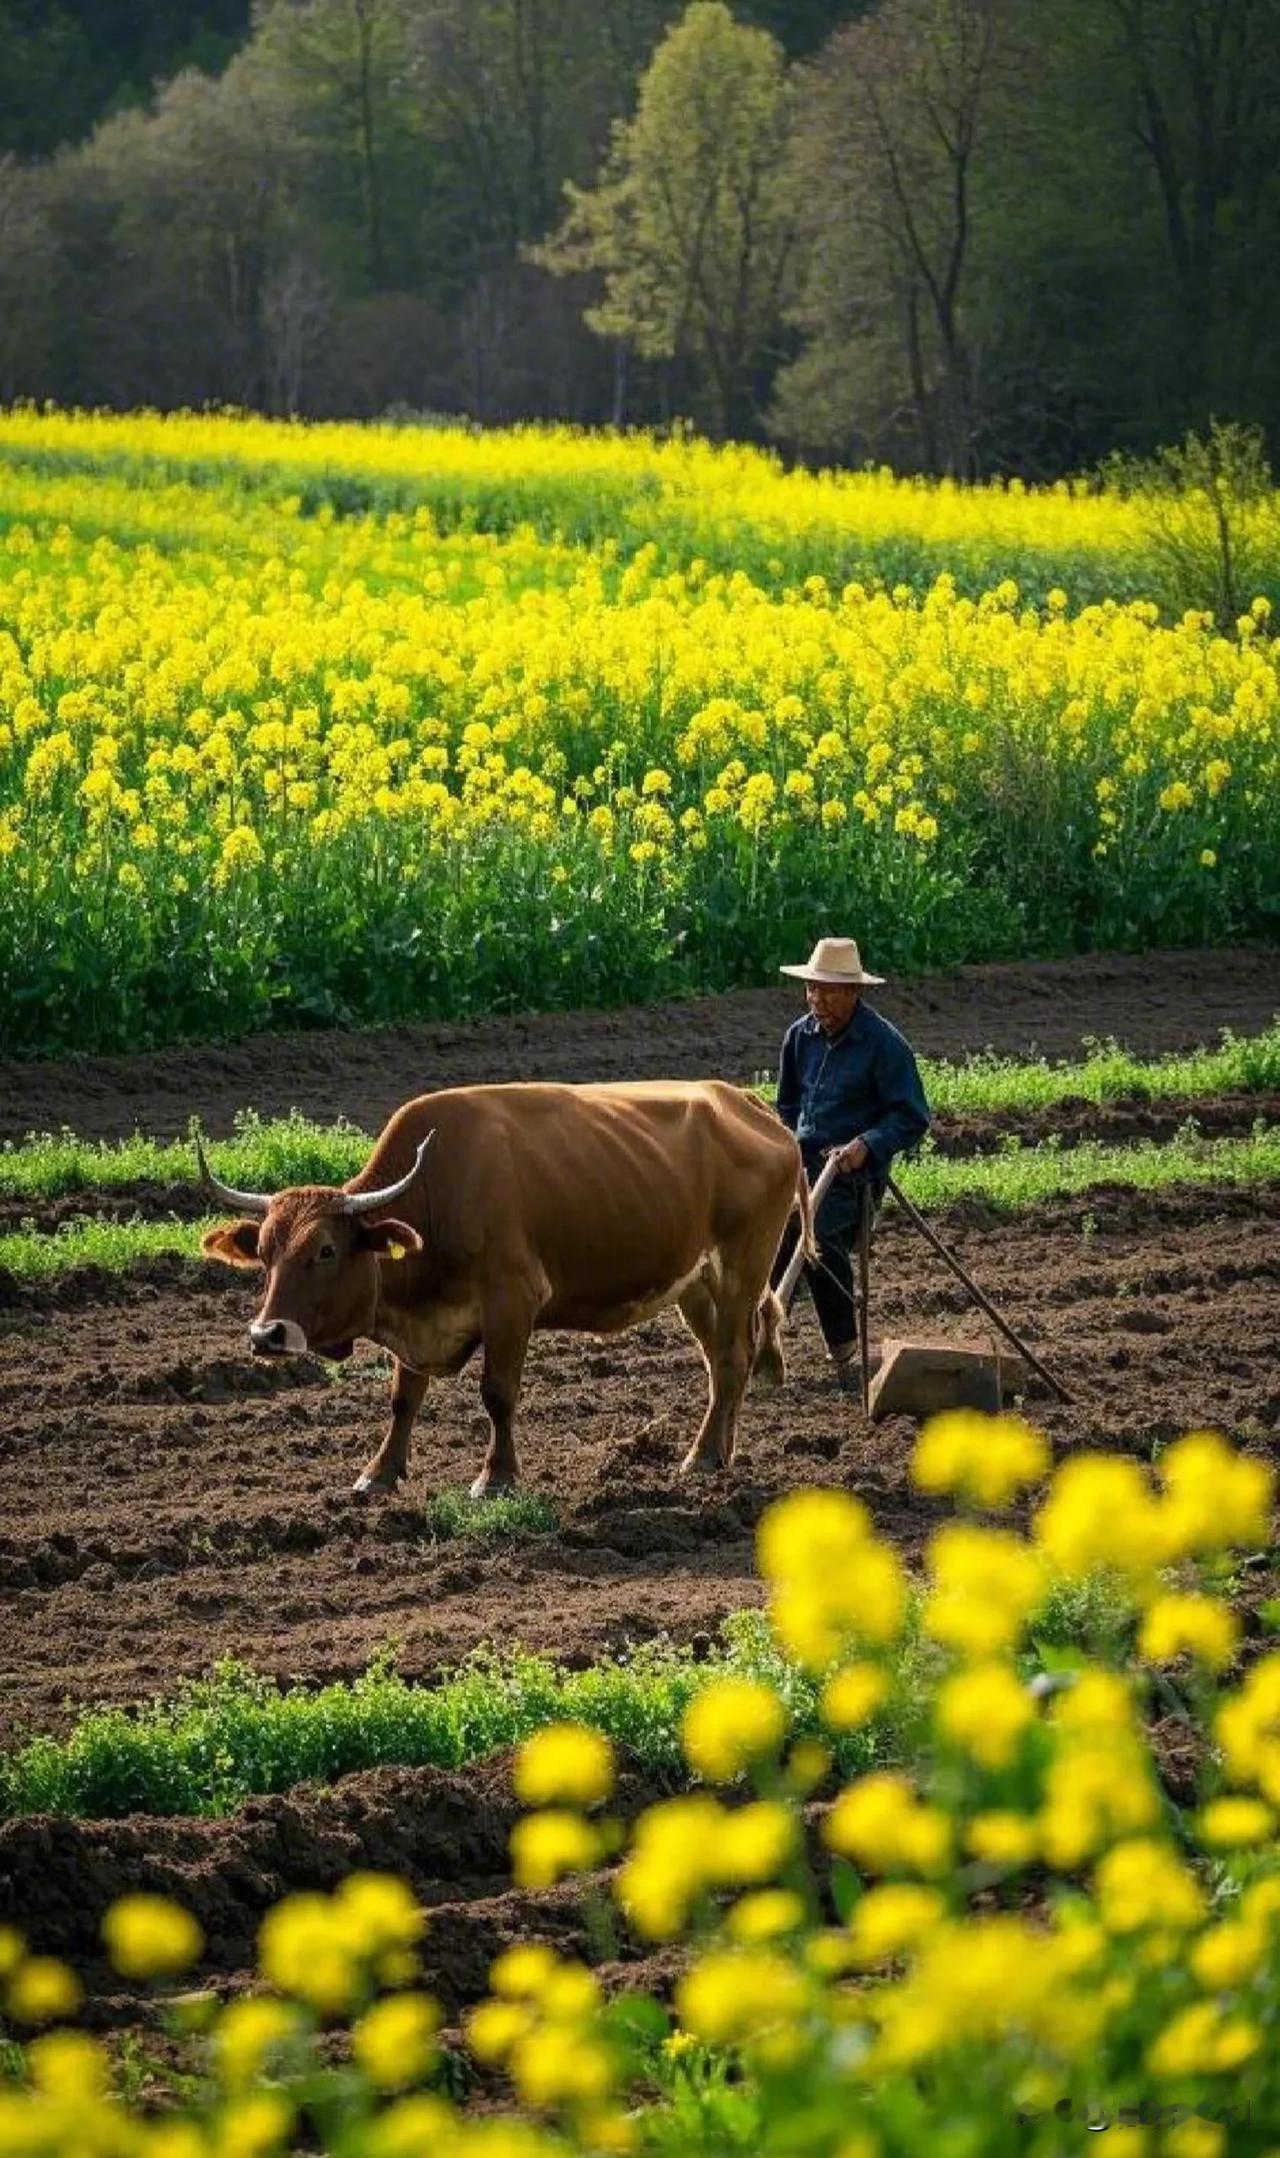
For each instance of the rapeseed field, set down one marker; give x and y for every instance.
(311, 724)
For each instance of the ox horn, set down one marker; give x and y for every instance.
(256, 1203)
(369, 1202)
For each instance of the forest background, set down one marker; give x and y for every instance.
(968, 236)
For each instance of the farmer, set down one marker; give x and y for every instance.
(847, 1085)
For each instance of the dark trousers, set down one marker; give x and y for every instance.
(830, 1280)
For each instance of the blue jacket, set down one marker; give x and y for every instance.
(863, 1085)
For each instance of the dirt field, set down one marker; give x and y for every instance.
(1153, 1002)
(164, 1500)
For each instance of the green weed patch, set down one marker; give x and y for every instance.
(1016, 1177)
(234, 1733)
(266, 1155)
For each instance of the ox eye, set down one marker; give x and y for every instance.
(326, 1253)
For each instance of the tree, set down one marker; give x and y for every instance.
(517, 97)
(693, 223)
(1202, 102)
(171, 225)
(340, 67)
(1205, 504)
(890, 159)
(296, 312)
(67, 63)
(29, 270)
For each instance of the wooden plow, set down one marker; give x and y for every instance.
(917, 1377)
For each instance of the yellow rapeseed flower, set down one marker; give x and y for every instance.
(255, 2125)
(552, 2065)
(1194, 2139)
(1142, 1884)
(68, 2064)
(1101, 1515)
(410, 2127)
(394, 2042)
(522, 1972)
(494, 2027)
(985, 1711)
(1203, 2040)
(378, 1913)
(150, 1936)
(853, 1695)
(818, 1619)
(671, 1862)
(248, 2032)
(564, 1764)
(1248, 1728)
(1214, 1498)
(1227, 1823)
(1199, 1626)
(987, 1583)
(731, 1996)
(548, 1845)
(986, 1459)
(42, 1990)
(1002, 1838)
(880, 1822)
(1228, 1955)
(809, 1533)
(754, 1843)
(764, 1914)
(304, 1950)
(728, 1725)
(891, 1918)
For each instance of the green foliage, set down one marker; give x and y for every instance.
(233, 1733)
(703, 2106)
(1082, 1618)
(1026, 1175)
(1016, 1176)
(1244, 1063)
(693, 221)
(1206, 502)
(69, 61)
(509, 1513)
(1019, 1940)
(267, 1155)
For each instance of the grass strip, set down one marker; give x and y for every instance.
(114, 1246)
(267, 1155)
(1248, 1064)
(263, 1156)
(1021, 1176)
(1016, 1177)
(235, 1734)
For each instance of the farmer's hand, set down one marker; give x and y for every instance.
(852, 1157)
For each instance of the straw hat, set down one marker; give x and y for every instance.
(835, 960)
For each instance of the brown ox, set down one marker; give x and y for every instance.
(587, 1208)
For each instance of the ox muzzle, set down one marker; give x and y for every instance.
(277, 1337)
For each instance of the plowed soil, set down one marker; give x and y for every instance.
(165, 1500)
(1154, 1003)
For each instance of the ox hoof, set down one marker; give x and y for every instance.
(491, 1487)
(365, 1484)
(697, 1464)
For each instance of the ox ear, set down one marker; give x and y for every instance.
(236, 1245)
(390, 1239)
